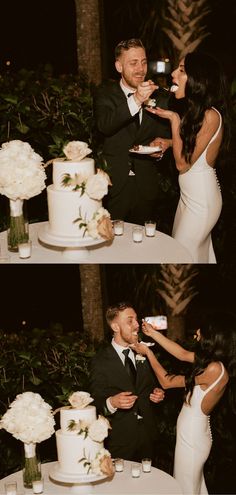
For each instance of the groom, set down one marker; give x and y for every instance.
(125, 392)
(123, 122)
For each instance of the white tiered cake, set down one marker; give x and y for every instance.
(79, 441)
(74, 198)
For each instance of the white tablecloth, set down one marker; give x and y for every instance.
(159, 249)
(156, 482)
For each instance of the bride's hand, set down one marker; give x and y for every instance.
(140, 348)
(165, 114)
(147, 328)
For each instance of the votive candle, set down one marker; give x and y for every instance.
(24, 249)
(11, 488)
(119, 465)
(146, 465)
(137, 234)
(118, 226)
(38, 486)
(135, 470)
(150, 228)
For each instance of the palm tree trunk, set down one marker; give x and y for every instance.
(88, 35)
(91, 301)
(176, 326)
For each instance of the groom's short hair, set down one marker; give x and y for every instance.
(115, 309)
(126, 45)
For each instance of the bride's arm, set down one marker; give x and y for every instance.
(166, 381)
(169, 345)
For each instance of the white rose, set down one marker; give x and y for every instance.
(97, 186)
(96, 464)
(98, 430)
(79, 400)
(76, 150)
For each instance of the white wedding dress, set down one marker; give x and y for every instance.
(199, 208)
(193, 443)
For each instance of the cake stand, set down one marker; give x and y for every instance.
(74, 249)
(80, 483)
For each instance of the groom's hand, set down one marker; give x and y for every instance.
(123, 400)
(157, 395)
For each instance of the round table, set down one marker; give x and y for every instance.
(156, 482)
(158, 249)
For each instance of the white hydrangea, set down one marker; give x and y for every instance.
(29, 418)
(22, 174)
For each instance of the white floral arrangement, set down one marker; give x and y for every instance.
(29, 418)
(100, 225)
(22, 174)
(95, 186)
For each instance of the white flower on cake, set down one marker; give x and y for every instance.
(95, 186)
(100, 225)
(79, 400)
(76, 150)
(22, 173)
(29, 418)
(102, 464)
(98, 430)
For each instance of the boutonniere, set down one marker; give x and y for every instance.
(140, 358)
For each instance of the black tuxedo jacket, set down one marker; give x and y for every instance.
(109, 377)
(119, 133)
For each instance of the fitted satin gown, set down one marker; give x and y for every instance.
(199, 208)
(193, 443)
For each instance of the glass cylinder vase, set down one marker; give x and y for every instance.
(31, 466)
(18, 227)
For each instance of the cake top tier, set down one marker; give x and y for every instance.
(83, 169)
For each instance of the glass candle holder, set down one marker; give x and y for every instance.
(135, 470)
(137, 233)
(38, 486)
(11, 488)
(146, 465)
(118, 227)
(150, 228)
(24, 249)
(119, 465)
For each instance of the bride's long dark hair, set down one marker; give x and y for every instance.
(217, 343)
(206, 87)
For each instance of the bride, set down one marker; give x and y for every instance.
(213, 369)
(198, 137)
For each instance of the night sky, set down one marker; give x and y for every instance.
(35, 32)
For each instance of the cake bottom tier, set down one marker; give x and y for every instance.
(64, 207)
(75, 452)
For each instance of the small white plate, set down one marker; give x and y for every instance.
(146, 150)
